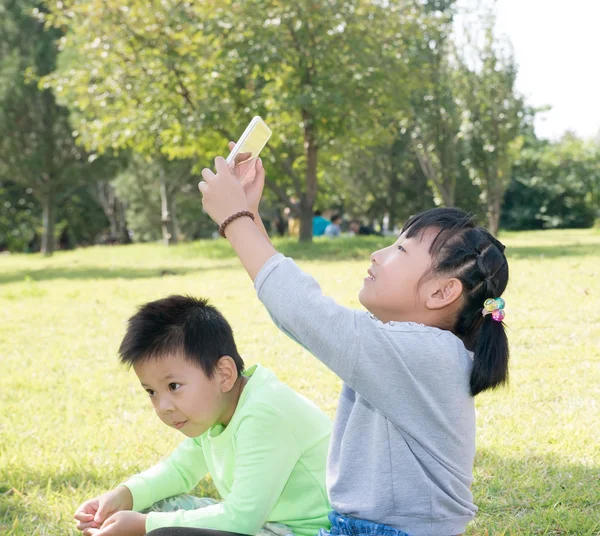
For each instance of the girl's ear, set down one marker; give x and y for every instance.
(443, 293)
(228, 374)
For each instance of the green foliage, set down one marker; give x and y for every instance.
(19, 217)
(37, 146)
(182, 78)
(554, 185)
(376, 107)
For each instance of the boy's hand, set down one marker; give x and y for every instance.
(222, 193)
(253, 175)
(121, 524)
(93, 513)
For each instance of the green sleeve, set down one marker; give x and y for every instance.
(266, 454)
(179, 473)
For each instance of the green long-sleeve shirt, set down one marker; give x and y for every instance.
(268, 465)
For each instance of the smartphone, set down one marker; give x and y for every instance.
(252, 141)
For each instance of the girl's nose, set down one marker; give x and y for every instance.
(375, 256)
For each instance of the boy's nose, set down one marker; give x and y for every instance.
(165, 405)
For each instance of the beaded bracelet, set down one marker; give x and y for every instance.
(233, 217)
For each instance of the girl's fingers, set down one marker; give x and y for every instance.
(231, 145)
(207, 174)
(220, 166)
(202, 186)
(242, 157)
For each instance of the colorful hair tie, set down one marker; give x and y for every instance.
(494, 307)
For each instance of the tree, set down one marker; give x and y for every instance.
(37, 147)
(554, 185)
(436, 113)
(184, 77)
(493, 117)
(155, 193)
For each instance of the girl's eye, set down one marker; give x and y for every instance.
(400, 247)
(174, 386)
(150, 392)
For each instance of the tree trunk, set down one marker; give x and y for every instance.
(176, 229)
(123, 232)
(493, 215)
(307, 201)
(166, 221)
(306, 217)
(442, 186)
(111, 212)
(49, 219)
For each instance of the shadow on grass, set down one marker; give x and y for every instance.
(552, 252)
(535, 495)
(360, 248)
(344, 248)
(121, 272)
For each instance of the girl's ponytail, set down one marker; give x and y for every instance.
(490, 357)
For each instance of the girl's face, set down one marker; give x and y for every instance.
(391, 291)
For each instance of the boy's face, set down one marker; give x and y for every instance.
(392, 291)
(182, 394)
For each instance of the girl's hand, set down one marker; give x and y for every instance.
(222, 193)
(252, 176)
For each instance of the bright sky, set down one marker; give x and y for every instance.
(557, 47)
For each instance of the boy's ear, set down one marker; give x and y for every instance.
(227, 372)
(445, 292)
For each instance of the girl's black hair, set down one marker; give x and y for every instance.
(473, 256)
(180, 325)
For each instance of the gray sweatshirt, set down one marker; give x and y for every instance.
(403, 440)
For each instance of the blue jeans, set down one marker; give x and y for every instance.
(350, 526)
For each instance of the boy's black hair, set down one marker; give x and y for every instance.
(336, 217)
(473, 256)
(180, 325)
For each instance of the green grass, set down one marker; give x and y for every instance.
(73, 423)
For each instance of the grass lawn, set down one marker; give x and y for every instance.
(73, 423)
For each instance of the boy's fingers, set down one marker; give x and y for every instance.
(82, 516)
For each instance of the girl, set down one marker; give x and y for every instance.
(401, 455)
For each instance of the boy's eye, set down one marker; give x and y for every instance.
(174, 386)
(150, 392)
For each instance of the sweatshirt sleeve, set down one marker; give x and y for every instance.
(179, 473)
(398, 364)
(266, 453)
(298, 307)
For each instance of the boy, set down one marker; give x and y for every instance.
(264, 445)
